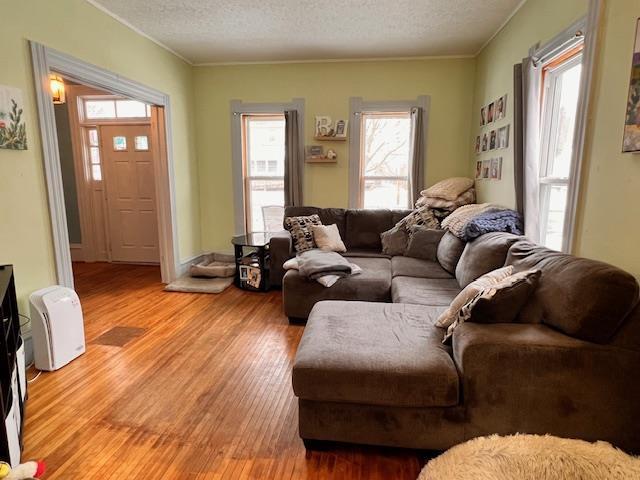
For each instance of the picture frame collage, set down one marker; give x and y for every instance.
(493, 139)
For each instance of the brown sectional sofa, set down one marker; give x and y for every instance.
(376, 371)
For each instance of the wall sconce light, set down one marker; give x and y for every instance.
(57, 89)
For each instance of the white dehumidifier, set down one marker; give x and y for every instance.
(57, 327)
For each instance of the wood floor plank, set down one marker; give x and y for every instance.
(192, 386)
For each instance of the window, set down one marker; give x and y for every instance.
(109, 109)
(560, 93)
(94, 154)
(263, 139)
(385, 140)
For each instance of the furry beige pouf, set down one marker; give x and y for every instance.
(531, 457)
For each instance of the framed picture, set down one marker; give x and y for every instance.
(13, 130)
(315, 151)
(244, 272)
(490, 113)
(486, 166)
(341, 128)
(485, 142)
(478, 169)
(483, 116)
(501, 108)
(503, 137)
(478, 145)
(492, 140)
(324, 126)
(496, 169)
(631, 139)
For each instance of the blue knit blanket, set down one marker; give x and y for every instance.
(494, 221)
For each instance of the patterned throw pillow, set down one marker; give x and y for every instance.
(301, 232)
(499, 302)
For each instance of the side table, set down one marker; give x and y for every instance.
(252, 261)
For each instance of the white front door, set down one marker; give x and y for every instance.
(130, 192)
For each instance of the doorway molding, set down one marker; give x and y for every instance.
(45, 60)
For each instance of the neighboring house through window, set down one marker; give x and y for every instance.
(258, 151)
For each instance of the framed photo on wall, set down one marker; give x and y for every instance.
(631, 140)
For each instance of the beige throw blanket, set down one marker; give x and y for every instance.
(456, 222)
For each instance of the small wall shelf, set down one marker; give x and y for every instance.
(321, 160)
(330, 139)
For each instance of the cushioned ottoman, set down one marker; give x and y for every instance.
(375, 354)
(299, 294)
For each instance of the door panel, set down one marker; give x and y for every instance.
(131, 199)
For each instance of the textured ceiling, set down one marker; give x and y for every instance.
(211, 31)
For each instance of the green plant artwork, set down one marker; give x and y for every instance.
(631, 141)
(13, 131)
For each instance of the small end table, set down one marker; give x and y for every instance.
(252, 267)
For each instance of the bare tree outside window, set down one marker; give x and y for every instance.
(385, 144)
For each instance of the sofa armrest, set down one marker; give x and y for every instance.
(531, 378)
(280, 250)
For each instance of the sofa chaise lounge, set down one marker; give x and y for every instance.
(372, 368)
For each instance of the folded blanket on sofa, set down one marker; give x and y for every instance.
(493, 221)
(457, 221)
(317, 263)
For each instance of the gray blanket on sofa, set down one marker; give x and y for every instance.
(316, 263)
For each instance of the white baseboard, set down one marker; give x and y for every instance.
(77, 252)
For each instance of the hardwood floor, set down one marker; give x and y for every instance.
(195, 387)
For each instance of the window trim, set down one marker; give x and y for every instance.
(357, 106)
(588, 25)
(237, 109)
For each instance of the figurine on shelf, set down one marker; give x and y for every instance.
(331, 154)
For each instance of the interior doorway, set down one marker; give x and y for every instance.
(108, 163)
(47, 62)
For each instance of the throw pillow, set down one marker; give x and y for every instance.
(301, 233)
(450, 249)
(448, 189)
(394, 241)
(450, 314)
(497, 303)
(423, 243)
(327, 237)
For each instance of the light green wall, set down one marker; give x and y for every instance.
(608, 214)
(536, 21)
(607, 227)
(326, 88)
(79, 29)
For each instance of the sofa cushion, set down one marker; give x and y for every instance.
(327, 216)
(424, 291)
(394, 241)
(449, 251)
(415, 267)
(423, 243)
(365, 226)
(482, 255)
(300, 294)
(583, 298)
(374, 354)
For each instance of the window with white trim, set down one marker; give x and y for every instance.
(385, 140)
(560, 93)
(97, 108)
(263, 138)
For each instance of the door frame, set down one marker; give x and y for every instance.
(46, 60)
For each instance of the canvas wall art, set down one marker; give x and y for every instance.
(13, 131)
(631, 141)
